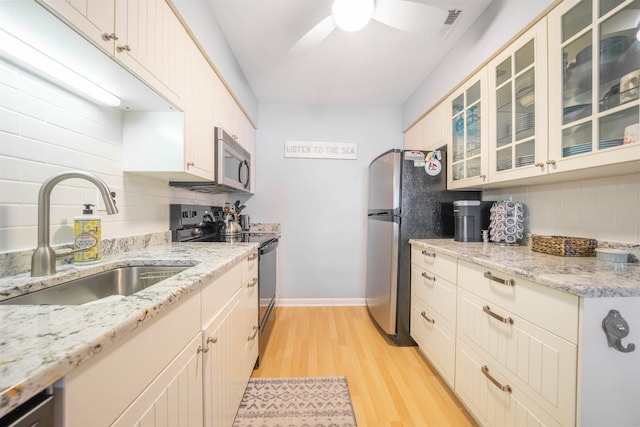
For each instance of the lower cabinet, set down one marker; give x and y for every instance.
(187, 368)
(508, 347)
(174, 398)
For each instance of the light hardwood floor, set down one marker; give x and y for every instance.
(390, 386)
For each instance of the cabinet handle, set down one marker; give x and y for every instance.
(506, 282)
(253, 282)
(426, 276)
(252, 256)
(203, 349)
(107, 36)
(253, 336)
(424, 314)
(539, 164)
(212, 340)
(506, 388)
(123, 48)
(190, 164)
(483, 176)
(507, 320)
(429, 254)
(551, 162)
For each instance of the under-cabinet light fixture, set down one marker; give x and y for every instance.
(21, 53)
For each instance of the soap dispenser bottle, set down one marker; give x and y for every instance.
(87, 241)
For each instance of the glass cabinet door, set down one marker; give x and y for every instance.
(599, 68)
(518, 85)
(466, 151)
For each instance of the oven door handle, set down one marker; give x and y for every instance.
(269, 247)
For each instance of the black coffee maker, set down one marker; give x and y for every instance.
(470, 218)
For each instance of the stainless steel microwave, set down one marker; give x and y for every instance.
(232, 171)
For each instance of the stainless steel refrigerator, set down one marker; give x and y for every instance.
(405, 202)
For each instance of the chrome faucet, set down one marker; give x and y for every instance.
(43, 261)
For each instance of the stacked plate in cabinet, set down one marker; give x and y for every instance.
(602, 145)
(584, 147)
(525, 90)
(525, 121)
(525, 160)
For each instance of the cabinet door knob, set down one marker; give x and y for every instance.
(203, 349)
(189, 164)
(212, 340)
(123, 48)
(107, 36)
(506, 388)
(551, 162)
(483, 176)
(539, 164)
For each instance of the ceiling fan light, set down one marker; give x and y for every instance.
(352, 15)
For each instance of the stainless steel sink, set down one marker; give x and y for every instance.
(119, 281)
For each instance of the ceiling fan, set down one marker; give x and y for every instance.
(353, 15)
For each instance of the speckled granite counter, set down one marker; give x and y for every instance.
(41, 344)
(583, 276)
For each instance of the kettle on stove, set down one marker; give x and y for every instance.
(229, 227)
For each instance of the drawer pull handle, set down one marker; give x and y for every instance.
(507, 282)
(429, 254)
(426, 276)
(253, 336)
(252, 256)
(506, 388)
(424, 314)
(507, 320)
(253, 282)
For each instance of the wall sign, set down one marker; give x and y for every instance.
(321, 150)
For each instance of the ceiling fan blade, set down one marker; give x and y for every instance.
(314, 36)
(409, 16)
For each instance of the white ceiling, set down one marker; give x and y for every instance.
(378, 65)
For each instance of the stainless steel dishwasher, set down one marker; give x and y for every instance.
(35, 412)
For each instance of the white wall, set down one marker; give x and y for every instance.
(605, 209)
(45, 130)
(320, 203)
(501, 21)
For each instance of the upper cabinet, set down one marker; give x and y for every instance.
(144, 36)
(518, 108)
(594, 66)
(467, 147)
(430, 132)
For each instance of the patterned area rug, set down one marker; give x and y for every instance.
(296, 402)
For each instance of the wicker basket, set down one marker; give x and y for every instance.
(564, 246)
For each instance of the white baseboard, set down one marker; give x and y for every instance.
(320, 302)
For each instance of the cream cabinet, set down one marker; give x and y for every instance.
(467, 163)
(144, 36)
(517, 343)
(139, 372)
(518, 108)
(433, 309)
(230, 347)
(594, 58)
(233, 120)
(431, 132)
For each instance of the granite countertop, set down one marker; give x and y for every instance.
(587, 277)
(41, 344)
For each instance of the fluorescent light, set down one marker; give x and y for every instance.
(352, 15)
(16, 50)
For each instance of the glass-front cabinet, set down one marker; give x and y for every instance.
(594, 67)
(518, 108)
(467, 148)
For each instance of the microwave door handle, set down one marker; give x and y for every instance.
(244, 163)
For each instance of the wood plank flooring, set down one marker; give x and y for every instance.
(390, 386)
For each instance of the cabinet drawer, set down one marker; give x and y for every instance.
(438, 293)
(553, 310)
(442, 265)
(436, 341)
(490, 404)
(217, 293)
(538, 362)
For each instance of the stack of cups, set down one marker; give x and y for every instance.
(507, 219)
